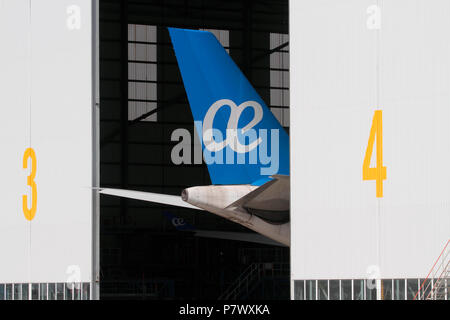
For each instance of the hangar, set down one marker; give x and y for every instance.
(124, 64)
(97, 95)
(143, 102)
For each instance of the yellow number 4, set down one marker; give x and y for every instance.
(379, 172)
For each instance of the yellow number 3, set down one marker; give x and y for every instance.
(30, 213)
(379, 173)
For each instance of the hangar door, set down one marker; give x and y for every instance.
(46, 139)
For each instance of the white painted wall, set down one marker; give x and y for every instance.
(341, 71)
(46, 104)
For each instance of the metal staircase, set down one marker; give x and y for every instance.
(251, 277)
(242, 283)
(436, 286)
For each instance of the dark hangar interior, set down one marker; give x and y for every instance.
(142, 101)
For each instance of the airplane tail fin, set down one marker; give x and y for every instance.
(242, 141)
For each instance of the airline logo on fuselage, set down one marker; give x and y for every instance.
(178, 222)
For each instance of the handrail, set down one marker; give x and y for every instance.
(253, 271)
(238, 282)
(420, 289)
(430, 283)
(444, 271)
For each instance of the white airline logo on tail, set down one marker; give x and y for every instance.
(231, 133)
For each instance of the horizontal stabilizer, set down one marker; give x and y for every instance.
(238, 236)
(272, 196)
(148, 196)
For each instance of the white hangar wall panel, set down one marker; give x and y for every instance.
(343, 68)
(46, 105)
(14, 138)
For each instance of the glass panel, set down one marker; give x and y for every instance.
(17, 291)
(77, 292)
(60, 291)
(9, 291)
(286, 98)
(25, 291)
(86, 294)
(358, 289)
(276, 97)
(439, 292)
(2, 292)
(310, 289)
(425, 289)
(276, 79)
(278, 113)
(69, 290)
(447, 281)
(142, 71)
(286, 117)
(399, 289)
(323, 289)
(412, 285)
(386, 289)
(334, 290)
(299, 290)
(279, 60)
(43, 291)
(346, 290)
(35, 291)
(51, 291)
(371, 289)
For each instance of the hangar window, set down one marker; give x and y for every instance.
(69, 292)
(399, 289)
(86, 291)
(24, 291)
(17, 291)
(334, 290)
(299, 290)
(310, 290)
(142, 71)
(371, 291)
(323, 289)
(426, 286)
(346, 290)
(43, 291)
(279, 77)
(8, 292)
(51, 291)
(386, 289)
(60, 291)
(77, 293)
(223, 36)
(35, 291)
(356, 289)
(412, 286)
